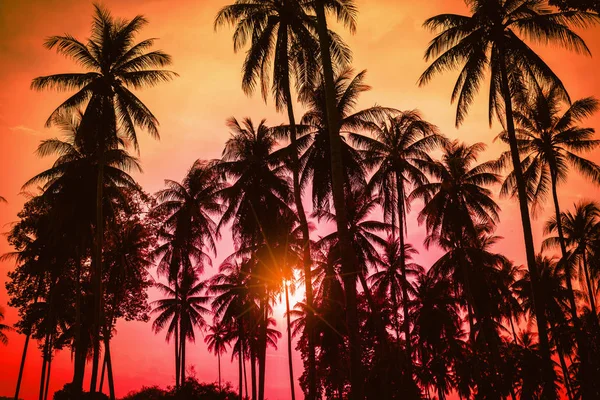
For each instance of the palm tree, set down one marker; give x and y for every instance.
(436, 316)
(345, 11)
(216, 340)
(257, 205)
(187, 228)
(581, 229)
(549, 142)
(233, 305)
(181, 312)
(3, 329)
(489, 37)
(395, 154)
(70, 187)
(283, 38)
(392, 279)
(114, 65)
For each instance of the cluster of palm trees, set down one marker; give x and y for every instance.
(373, 323)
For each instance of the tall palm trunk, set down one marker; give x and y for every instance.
(582, 347)
(240, 371)
(253, 369)
(79, 364)
(177, 352)
(102, 374)
(219, 369)
(539, 307)
(405, 299)
(109, 370)
(588, 282)
(44, 366)
(262, 357)
(22, 366)
(48, 376)
(306, 257)
(289, 338)
(182, 340)
(98, 267)
(349, 262)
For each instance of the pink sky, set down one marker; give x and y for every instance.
(192, 110)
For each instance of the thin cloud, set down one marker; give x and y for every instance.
(24, 129)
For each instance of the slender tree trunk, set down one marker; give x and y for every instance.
(588, 281)
(539, 307)
(512, 327)
(176, 334)
(240, 372)
(219, 370)
(102, 374)
(245, 376)
(253, 369)
(405, 298)
(182, 357)
(349, 262)
(306, 256)
(79, 365)
(262, 357)
(22, 366)
(48, 376)
(289, 338)
(109, 369)
(582, 347)
(97, 275)
(44, 366)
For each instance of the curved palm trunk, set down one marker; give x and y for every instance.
(539, 307)
(592, 297)
(22, 366)
(349, 263)
(289, 338)
(582, 346)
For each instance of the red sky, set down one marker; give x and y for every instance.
(192, 110)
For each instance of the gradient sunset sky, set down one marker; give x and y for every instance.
(192, 110)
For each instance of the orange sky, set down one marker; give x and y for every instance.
(192, 110)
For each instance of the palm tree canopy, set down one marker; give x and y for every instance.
(115, 64)
(493, 33)
(550, 141)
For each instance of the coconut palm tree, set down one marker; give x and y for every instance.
(394, 153)
(392, 280)
(114, 64)
(581, 228)
(187, 229)
(70, 186)
(257, 205)
(185, 311)
(549, 142)
(489, 38)
(216, 340)
(3, 329)
(284, 38)
(345, 11)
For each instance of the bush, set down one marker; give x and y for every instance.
(68, 393)
(191, 390)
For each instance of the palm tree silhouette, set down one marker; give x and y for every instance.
(181, 312)
(187, 229)
(114, 65)
(489, 37)
(3, 329)
(549, 142)
(395, 154)
(216, 340)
